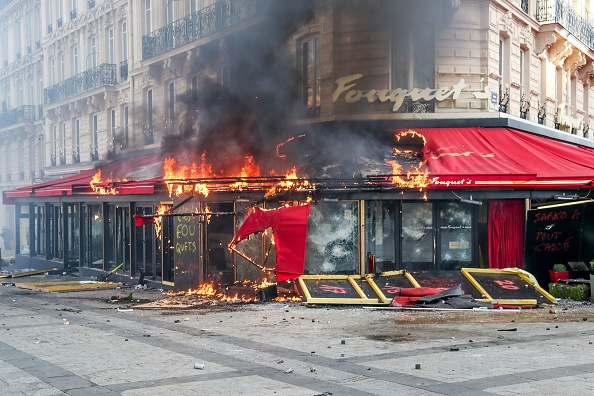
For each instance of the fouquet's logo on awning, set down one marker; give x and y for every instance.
(396, 96)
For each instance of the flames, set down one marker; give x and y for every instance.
(248, 292)
(250, 168)
(415, 178)
(161, 210)
(291, 182)
(177, 176)
(102, 187)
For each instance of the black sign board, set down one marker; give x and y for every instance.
(558, 234)
(186, 244)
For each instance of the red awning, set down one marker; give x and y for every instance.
(289, 225)
(137, 175)
(503, 157)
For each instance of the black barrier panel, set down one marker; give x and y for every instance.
(391, 285)
(446, 280)
(507, 286)
(331, 288)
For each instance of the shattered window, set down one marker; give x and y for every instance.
(456, 235)
(417, 235)
(332, 238)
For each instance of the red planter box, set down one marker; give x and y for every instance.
(557, 276)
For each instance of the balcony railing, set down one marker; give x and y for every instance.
(16, 116)
(102, 75)
(208, 20)
(558, 11)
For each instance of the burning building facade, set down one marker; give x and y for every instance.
(420, 133)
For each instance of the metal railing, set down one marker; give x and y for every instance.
(18, 115)
(99, 76)
(558, 11)
(208, 20)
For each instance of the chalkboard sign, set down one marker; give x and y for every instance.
(499, 285)
(558, 234)
(186, 237)
(446, 280)
(335, 289)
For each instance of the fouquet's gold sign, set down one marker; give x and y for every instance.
(346, 85)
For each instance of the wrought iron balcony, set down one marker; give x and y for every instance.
(558, 11)
(102, 75)
(208, 20)
(17, 116)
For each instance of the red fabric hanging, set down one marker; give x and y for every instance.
(506, 233)
(142, 220)
(289, 225)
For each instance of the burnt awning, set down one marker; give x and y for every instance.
(129, 176)
(502, 157)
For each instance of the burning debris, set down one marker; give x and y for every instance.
(238, 292)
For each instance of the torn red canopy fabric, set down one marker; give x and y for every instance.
(289, 225)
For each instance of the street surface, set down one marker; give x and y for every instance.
(96, 343)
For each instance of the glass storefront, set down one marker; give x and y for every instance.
(420, 236)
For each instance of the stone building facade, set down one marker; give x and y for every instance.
(87, 83)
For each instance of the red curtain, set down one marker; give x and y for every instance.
(289, 225)
(506, 233)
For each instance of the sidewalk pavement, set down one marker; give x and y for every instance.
(81, 344)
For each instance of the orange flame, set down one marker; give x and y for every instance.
(102, 190)
(175, 176)
(415, 179)
(291, 182)
(209, 291)
(250, 168)
(162, 209)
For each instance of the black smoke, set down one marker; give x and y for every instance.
(248, 112)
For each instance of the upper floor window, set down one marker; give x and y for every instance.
(148, 21)
(172, 103)
(75, 60)
(413, 65)
(124, 41)
(170, 11)
(149, 136)
(110, 46)
(311, 74)
(93, 52)
(62, 67)
(194, 6)
(52, 71)
(413, 59)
